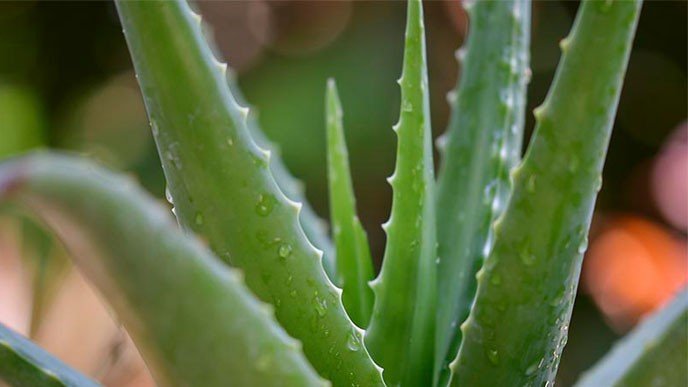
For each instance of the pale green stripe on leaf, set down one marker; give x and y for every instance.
(22, 363)
(223, 189)
(354, 264)
(653, 354)
(518, 325)
(401, 333)
(191, 317)
(481, 145)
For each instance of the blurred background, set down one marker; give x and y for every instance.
(66, 82)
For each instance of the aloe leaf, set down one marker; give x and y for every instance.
(481, 145)
(224, 191)
(401, 333)
(354, 264)
(191, 316)
(653, 354)
(23, 363)
(314, 227)
(518, 325)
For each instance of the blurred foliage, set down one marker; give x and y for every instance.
(66, 81)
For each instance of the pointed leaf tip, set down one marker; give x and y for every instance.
(353, 253)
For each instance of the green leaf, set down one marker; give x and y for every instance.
(518, 325)
(401, 334)
(22, 363)
(314, 227)
(354, 264)
(653, 354)
(192, 318)
(224, 191)
(481, 145)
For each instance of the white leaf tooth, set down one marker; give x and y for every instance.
(460, 54)
(221, 67)
(197, 18)
(539, 112)
(385, 226)
(266, 154)
(374, 283)
(441, 141)
(244, 111)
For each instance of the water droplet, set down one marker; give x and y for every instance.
(583, 246)
(503, 151)
(290, 279)
(320, 306)
(493, 356)
(292, 294)
(558, 299)
(154, 127)
(598, 183)
(534, 367)
(265, 204)
(352, 342)
(171, 156)
(284, 250)
(230, 141)
(496, 279)
(407, 106)
(489, 192)
(198, 219)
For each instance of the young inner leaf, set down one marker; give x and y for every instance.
(401, 333)
(354, 264)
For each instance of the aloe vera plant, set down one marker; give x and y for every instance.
(481, 264)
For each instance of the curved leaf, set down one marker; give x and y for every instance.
(23, 363)
(191, 317)
(401, 333)
(653, 354)
(224, 190)
(354, 264)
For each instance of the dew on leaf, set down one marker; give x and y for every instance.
(266, 203)
(284, 250)
(493, 356)
(352, 342)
